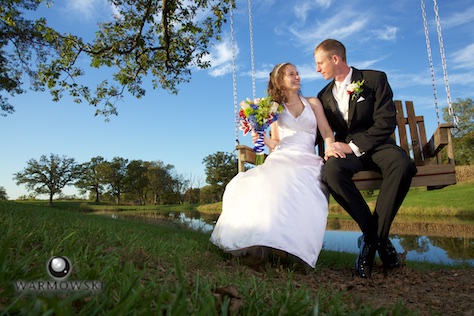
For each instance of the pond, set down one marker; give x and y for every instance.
(437, 242)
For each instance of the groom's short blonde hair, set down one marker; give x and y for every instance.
(332, 47)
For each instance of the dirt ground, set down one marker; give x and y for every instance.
(436, 292)
(448, 292)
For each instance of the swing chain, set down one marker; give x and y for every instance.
(443, 61)
(251, 49)
(430, 59)
(445, 69)
(234, 75)
(234, 78)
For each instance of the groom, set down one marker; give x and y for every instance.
(359, 107)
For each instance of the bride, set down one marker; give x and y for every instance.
(281, 204)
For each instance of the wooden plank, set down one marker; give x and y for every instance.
(415, 140)
(434, 175)
(245, 155)
(402, 131)
(439, 139)
(422, 131)
(450, 148)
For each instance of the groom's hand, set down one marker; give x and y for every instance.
(341, 147)
(338, 150)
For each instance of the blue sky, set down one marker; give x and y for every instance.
(181, 130)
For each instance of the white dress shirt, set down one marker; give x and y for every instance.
(342, 98)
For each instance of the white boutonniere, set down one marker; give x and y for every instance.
(355, 89)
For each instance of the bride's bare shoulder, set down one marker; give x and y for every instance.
(314, 101)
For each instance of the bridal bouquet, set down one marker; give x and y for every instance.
(257, 115)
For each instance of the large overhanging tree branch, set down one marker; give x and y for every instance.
(21, 45)
(157, 39)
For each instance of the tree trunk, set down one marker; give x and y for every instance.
(50, 203)
(96, 196)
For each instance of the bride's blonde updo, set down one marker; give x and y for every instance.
(275, 90)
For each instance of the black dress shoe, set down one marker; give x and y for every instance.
(388, 254)
(365, 259)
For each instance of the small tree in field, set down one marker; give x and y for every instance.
(221, 167)
(48, 175)
(113, 174)
(3, 194)
(89, 178)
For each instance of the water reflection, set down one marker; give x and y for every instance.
(437, 242)
(447, 250)
(194, 223)
(430, 242)
(190, 220)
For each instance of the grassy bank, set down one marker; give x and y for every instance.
(450, 201)
(149, 269)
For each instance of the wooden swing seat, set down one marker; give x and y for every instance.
(426, 154)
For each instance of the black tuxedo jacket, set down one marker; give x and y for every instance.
(372, 115)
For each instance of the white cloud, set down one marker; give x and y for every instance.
(324, 3)
(464, 58)
(354, 28)
(399, 81)
(466, 79)
(220, 57)
(421, 103)
(464, 16)
(221, 70)
(90, 9)
(262, 74)
(85, 8)
(302, 9)
(387, 33)
(365, 64)
(338, 26)
(308, 72)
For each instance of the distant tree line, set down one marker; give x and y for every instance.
(126, 181)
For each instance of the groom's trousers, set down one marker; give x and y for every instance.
(397, 170)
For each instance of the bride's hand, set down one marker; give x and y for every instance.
(255, 137)
(333, 152)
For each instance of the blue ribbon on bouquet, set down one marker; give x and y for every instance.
(259, 148)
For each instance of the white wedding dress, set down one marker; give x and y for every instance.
(281, 204)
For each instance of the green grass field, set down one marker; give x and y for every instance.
(165, 269)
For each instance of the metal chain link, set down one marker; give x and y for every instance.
(428, 49)
(443, 61)
(234, 73)
(234, 78)
(251, 49)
